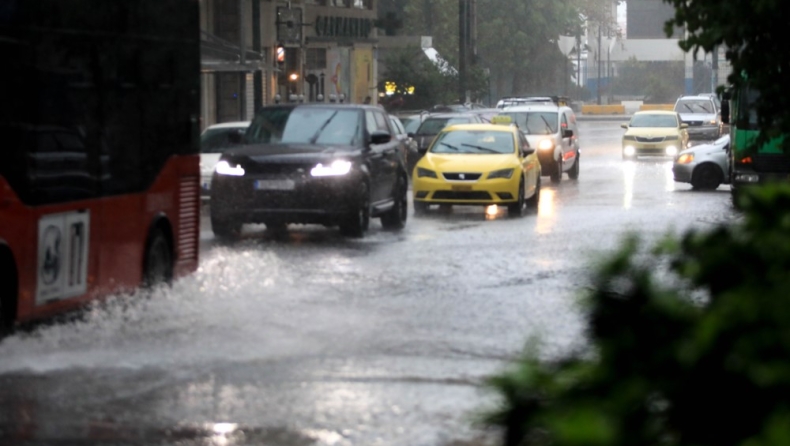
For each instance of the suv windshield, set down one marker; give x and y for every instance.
(474, 141)
(695, 106)
(654, 121)
(535, 123)
(305, 125)
(432, 126)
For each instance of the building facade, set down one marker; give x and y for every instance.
(258, 52)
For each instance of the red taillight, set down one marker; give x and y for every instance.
(747, 160)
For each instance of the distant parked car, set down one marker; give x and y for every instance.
(213, 142)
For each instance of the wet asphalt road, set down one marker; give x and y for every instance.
(316, 339)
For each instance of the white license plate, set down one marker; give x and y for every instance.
(274, 185)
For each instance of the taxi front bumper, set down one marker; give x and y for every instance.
(483, 192)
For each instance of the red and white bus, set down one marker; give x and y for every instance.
(99, 143)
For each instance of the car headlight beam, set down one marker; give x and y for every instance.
(629, 151)
(425, 173)
(336, 169)
(671, 150)
(502, 173)
(686, 158)
(546, 144)
(224, 168)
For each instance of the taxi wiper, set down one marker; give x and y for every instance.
(484, 149)
(449, 146)
(314, 138)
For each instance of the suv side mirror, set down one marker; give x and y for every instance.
(380, 137)
(567, 133)
(684, 126)
(526, 151)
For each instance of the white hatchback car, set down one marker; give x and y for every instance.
(705, 166)
(213, 142)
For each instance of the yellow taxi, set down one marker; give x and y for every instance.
(478, 165)
(654, 133)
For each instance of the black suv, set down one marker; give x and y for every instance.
(330, 164)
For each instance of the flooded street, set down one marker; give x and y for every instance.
(313, 338)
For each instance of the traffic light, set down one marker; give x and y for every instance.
(280, 56)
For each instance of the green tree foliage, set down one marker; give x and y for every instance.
(697, 355)
(432, 84)
(754, 35)
(517, 39)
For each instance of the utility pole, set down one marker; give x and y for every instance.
(714, 66)
(598, 62)
(257, 78)
(463, 47)
(243, 62)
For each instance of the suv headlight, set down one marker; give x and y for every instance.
(685, 158)
(503, 173)
(336, 169)
(225, 168)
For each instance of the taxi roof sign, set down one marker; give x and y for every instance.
(502, 120)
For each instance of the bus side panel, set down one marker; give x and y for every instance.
(56, 255)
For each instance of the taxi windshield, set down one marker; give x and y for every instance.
(305, 125)
(477, 142)
(535, 123)
(653, 121)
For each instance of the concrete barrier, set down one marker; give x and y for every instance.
(613, 109)
(647, 107)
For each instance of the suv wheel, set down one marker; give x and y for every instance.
(706, 177)
(225, 228)
(396, 217)
(356, 222)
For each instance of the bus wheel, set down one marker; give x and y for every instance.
(8, 292)
(158, 263)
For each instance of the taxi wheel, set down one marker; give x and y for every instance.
(420, 208)
(517, 209)
(556, 176)
(574, 172)
(158, 263)
(357, 222)
(396, 217)
(706, 177)
(534, 200)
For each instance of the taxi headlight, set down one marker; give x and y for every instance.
(671, 150)
(629, 138)
(224, 168)
(712, 122)
(546, 144)
(686, 158)
(503, 173)
(629, 151)
(336, 169)
(425, 173)
(672, 138)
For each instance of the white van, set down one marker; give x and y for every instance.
(554, 132)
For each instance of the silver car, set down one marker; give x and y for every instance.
(702, 117)
(705, 166)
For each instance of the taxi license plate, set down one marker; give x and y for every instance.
(274, 185)
(462, 188)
